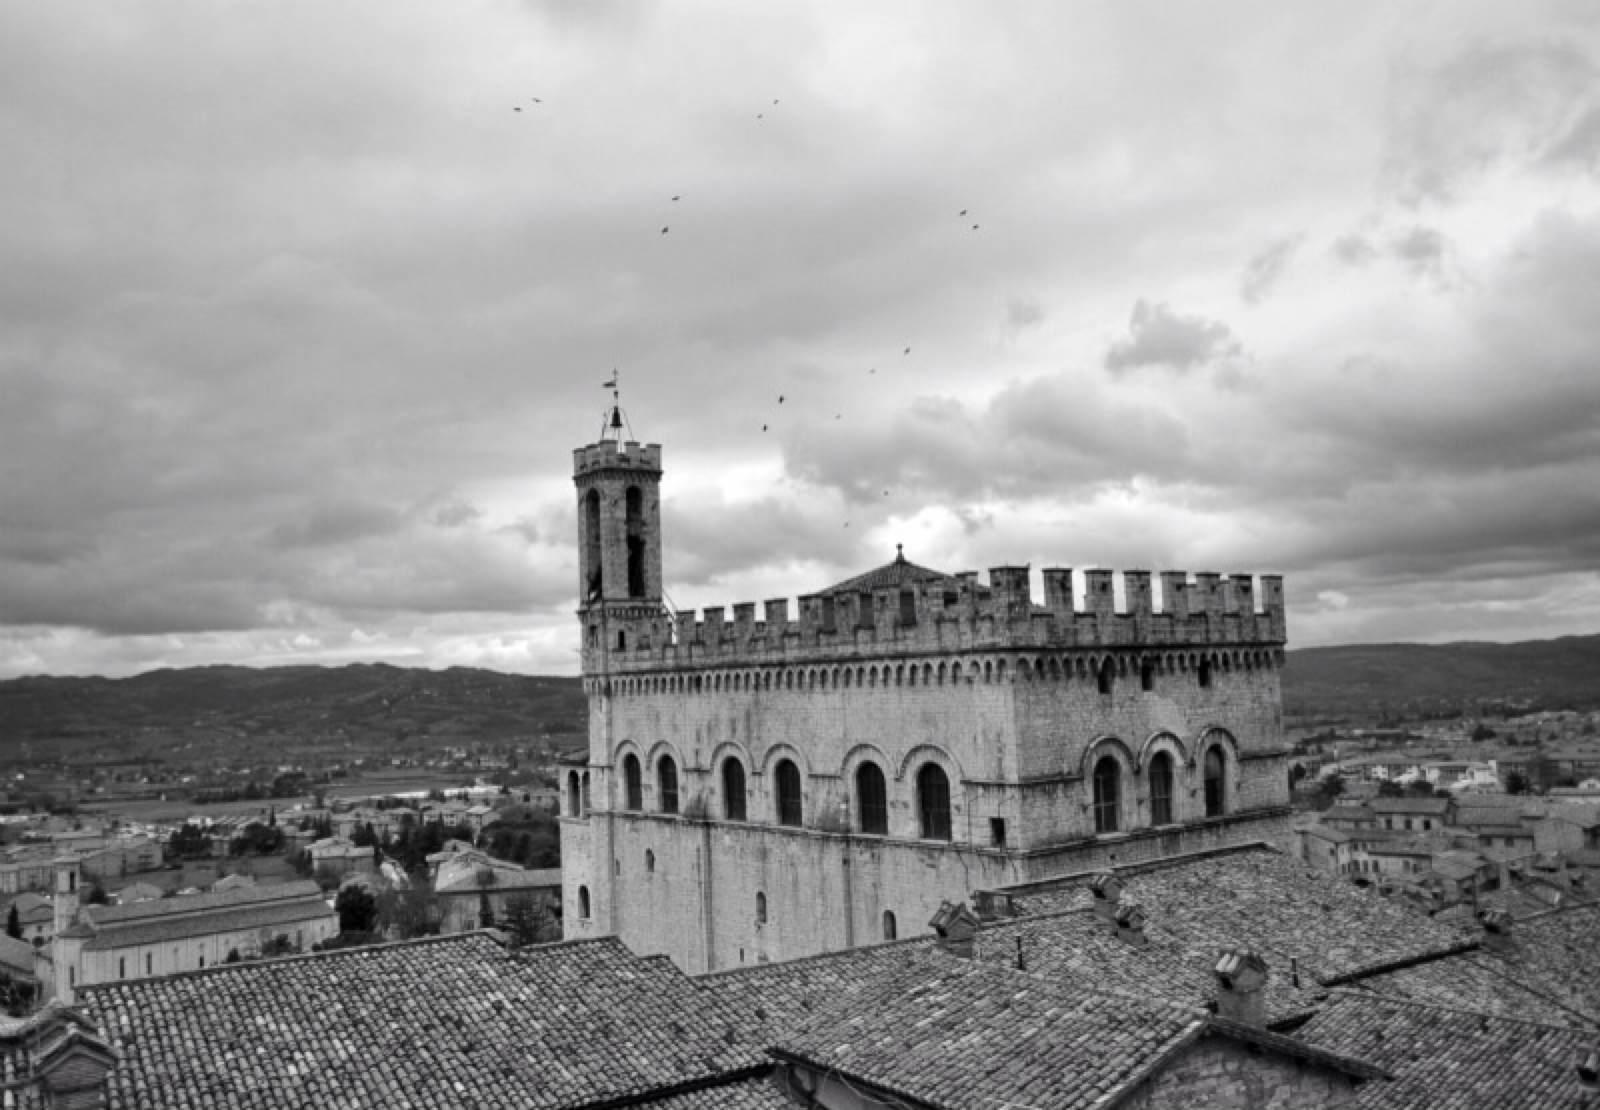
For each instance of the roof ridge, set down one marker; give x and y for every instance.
(814, 958)
(294, 958)
(1367, 994)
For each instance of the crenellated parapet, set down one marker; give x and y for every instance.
(963, 614)
(608, 454)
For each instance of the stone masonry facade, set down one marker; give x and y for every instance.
(827, 775)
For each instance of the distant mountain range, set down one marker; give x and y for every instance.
(360, 703)
(1409, 679)
(370, 702)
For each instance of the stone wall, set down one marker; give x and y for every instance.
(1217, 1073)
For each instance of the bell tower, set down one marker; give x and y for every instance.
(619, 540)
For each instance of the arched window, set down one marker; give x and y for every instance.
(583, 902)
(649, 862)
(635, 525)
(788, 784)
(667, 782)
(632, 783)
(761, 908)
(889, 928)
(1105, 676)
(591, 544)
(933, 802)
(1216, 788)
(1107, 794)
(1161, 789)
(872, 800)
(733, 789)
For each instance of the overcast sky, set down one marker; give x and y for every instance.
(301, 316)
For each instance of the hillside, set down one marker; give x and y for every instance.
(1412, 679)
(354, 706)
(361, 705)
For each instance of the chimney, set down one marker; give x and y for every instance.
(1242, 980)
(1129, 920)
(1496, 929)
(956, 926)
(1107, 891)
(1588, 1068)
(993, 904)
(71, 1062)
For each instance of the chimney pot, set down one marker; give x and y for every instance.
(1130, 919)
(1242, 975)
(1588, 1066)
(1107, 891)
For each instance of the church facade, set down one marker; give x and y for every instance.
(824, 772)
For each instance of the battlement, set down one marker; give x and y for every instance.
(964, 614)
(610, 455)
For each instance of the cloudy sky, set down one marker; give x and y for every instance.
(303, 306)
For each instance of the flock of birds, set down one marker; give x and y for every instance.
(963, 214)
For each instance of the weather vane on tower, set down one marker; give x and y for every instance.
(613, 421)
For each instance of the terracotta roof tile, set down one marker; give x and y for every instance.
(1445, 1059)
(454, 1021)
(1276, 905)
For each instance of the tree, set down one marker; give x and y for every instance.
(528, 921)
(14, 923)
(97, 895)
(485, 911)
(408, 911)
(1516, 783)
(356, 907)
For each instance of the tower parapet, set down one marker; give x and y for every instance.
(962, 613)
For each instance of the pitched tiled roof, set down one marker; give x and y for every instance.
(1174, 964)
(1428, 807)
(1445, 1059)
(454, 1021)
(1274, 904)
(16, 955)
(900, 572)
(954, 1033)
(271, 915)
(779, 997)
(103, 916)
(1472, 981)
(1554, 954)
(764, 1093)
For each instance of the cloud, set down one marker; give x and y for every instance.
(1484, 108)
(1354, 250)
(1158, 336)
(1422, 250)
(1262, 272)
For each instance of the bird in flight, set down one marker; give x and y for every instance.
(536, 100)
(908, 350)
(516, 109)
(763, 427)
(963, 212)
(663, 231)
(676, 198)
(974, 227)
(780, 398)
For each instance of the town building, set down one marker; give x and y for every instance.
(822, 774)
(140, 940)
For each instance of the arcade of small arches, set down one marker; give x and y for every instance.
(1105, 669)
(1160, 774)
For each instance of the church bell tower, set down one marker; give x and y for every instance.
(619, 541)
